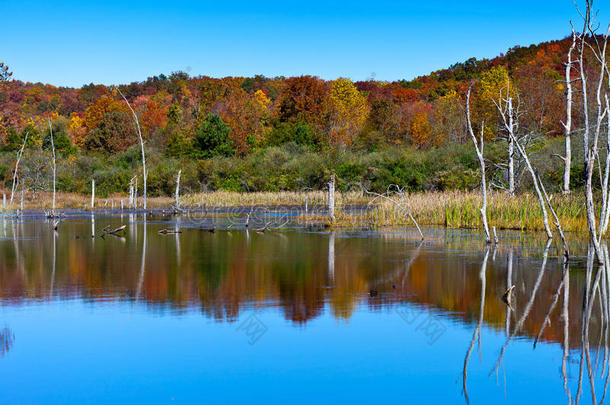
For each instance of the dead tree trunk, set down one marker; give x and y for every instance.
(92, 193)
(14, 187)
(590, 144)
(567, 159)
(177, 196)
(510, 120)
(479, 150)
(54, 167)
(331, 198)
(135, 117)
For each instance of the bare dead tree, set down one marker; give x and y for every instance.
(567, 125)
(511, 127)
(331, 198)
(591, 133)
(54, 166)
(177, 195)
(396, 195)
(135, 117)
(509, 114)
(479, 150)
(19, 155)
(131, 192)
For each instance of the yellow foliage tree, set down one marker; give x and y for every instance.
(492, 85)
(95, 112)
(78, 131)
(348, 111)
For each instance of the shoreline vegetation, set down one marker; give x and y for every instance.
(399, 154)
(451, 209)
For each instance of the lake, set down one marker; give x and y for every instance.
(223, 314)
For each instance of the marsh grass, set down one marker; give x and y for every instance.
(449, 209)
(461, 210)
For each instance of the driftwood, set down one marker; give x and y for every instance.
(168, 231)
(263, 229)
(507, 297)
(109, 231)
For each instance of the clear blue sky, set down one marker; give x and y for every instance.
(72, 43)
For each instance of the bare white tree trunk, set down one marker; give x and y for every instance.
(54, 167)
(135, 117)
(590, 145)
(511, 149)
(331, 198)
(92, 193)
(479, 151)
(131, 192)
(567, 159)
(21, 204)
(510, 120)
(14, 187)
(605, 211)
(177, 196)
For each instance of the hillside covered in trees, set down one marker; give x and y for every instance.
(269, 134)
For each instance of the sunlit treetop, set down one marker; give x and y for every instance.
(5, 74)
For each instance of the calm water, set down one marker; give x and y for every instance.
(294, 316)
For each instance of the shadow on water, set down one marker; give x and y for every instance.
(219, 269)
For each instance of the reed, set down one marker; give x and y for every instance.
(461, 210)
(450, 209)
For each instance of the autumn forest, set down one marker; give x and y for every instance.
(271, 134)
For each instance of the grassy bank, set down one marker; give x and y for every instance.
(450, 209)
(461, 210)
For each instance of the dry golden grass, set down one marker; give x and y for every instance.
(450, 209)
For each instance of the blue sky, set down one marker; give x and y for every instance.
(72, 43)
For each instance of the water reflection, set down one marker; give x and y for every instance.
(305, 275)
(7, 338)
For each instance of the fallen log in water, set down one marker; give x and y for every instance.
(108, 231)
(169, 231)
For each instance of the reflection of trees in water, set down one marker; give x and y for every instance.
(7, 338)
(477, 331)
(304, 274)
(593, 318)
